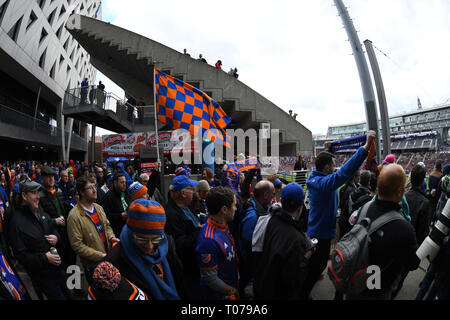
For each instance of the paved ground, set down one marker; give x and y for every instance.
(324, 289)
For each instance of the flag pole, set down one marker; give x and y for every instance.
(154, 102)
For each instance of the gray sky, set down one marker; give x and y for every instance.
(297, 54)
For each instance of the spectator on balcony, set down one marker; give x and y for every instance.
(84, 90)
(200, 58)
(92, 94)
(219, 64)
(233, 72)
(100, 94)
(185, 53)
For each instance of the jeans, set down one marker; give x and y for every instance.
(317, 264)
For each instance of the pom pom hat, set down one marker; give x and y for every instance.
(146, 217)
(136, 190)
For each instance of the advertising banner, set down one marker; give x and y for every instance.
(123, 145)
(164, 141)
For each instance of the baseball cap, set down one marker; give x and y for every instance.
(47, 171)
(181, 182)
(29, 186)
(293, 193)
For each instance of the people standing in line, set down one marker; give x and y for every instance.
(419, 211)
(322, 187)
(90, 234)
(32, 236)
(285, 249)
(255, 207)
(345, 203)
(365, 192)
(393, 246)
(145, 255)
(116, 202)
(53, 203)
(66, 186)
(198, 205)
(216, 250)
(183, 226)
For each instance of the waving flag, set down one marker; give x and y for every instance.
(180, 105)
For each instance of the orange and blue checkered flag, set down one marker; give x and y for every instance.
(180, 105)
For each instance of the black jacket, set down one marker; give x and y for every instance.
(185, 236)
(48, 203)
(420, 211)
(112, 204)
(127, 269)
(282, 264)
(392, 247)
(359, 197)
(29, 245)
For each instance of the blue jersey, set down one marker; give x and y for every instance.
(216, 250)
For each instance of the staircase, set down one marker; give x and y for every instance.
(128, 59)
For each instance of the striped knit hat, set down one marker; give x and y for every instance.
(146, 217)
(181, 171)
(136, 190)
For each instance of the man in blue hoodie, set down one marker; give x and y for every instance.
(322, 187)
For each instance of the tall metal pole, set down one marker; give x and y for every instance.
(156, 119)
(363, 70)
(93, 142)
(63, 135)
(384, 115)
(36, 107)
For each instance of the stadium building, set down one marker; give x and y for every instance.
(418, 135)
(39, 61)
(128, 59)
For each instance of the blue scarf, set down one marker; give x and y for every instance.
(160, 290)
(188, 213)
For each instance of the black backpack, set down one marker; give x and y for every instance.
(350, 258)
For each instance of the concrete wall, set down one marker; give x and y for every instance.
(219, 83)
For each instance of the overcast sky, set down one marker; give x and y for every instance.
(297, 54)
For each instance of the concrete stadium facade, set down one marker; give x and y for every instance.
(39, 61)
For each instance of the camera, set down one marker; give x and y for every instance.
(432, 244)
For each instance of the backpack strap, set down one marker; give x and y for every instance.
(384, 219)
(363, 212)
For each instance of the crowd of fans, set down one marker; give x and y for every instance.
(220, 238)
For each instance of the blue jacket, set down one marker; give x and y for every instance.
(323, 196)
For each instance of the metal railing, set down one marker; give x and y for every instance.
(96, 97)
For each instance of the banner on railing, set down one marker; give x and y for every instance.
(166, 142)
(123, 145)
(129, 145)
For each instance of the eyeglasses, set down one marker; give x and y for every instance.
(154, 241)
